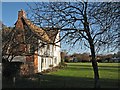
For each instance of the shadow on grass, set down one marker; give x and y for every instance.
(79, 65)
(88, 66)
(52, 81)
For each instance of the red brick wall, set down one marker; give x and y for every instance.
(29, 58)
(36, 61)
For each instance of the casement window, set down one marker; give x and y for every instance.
(55, 60)
(48, 49)
(51, 50)
(30, 48)
(42, 63)
(48, 46)
(22, 48)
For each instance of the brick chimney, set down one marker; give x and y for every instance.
(21, 13)
(19, 28)
(19, 23)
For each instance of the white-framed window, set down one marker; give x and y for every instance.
(55, 60)
(42, 63)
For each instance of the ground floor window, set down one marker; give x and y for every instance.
(55, 60)
(42, 63)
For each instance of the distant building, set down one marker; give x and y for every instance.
(115, 59)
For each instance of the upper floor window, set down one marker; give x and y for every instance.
(30, 48)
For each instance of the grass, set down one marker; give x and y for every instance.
(109, 74)
(85, 70)
(75, 75)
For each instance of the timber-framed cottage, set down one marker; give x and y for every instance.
(37, 45)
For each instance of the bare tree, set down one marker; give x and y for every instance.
(18, 43)
(94, 25)
(6, 40)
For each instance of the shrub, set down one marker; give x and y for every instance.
(10, 69)
(50, 65)
(26, 70)
(62, 65)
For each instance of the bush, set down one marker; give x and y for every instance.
(62, 65)
(10, 69)
(26, 70)
(50, 65)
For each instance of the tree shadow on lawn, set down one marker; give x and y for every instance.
(79, 64)
(88, 66)
(53, 81)
(83, 68)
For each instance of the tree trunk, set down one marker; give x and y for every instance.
(95, 67)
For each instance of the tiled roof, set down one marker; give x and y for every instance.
(40, 32)
(48, 34)
(51, 33)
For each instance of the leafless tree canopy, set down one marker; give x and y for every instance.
(102, 19)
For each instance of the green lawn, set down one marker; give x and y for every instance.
(85, 70)
(75, 75)
(82, 74)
